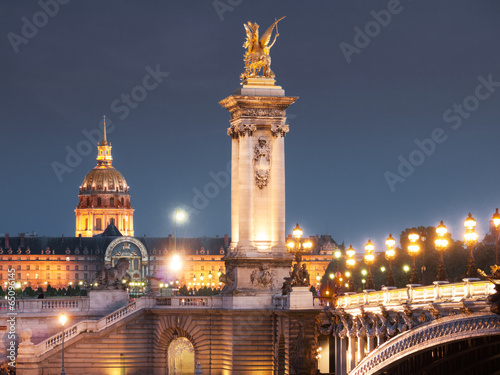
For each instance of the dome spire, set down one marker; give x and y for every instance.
(104, 157)
(104, 140)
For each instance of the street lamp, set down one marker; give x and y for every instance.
(350, 263)
(62, 320)
(423, 237)
(470, 237)
(441, 245)
(369, 259)
(496, 221)
(299, 275)
(390, 254)
(413, 250)
(179, 215)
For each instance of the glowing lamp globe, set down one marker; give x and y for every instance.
(496, 218)
(470, 222)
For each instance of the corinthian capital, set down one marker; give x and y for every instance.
(232, 131)
(279, 130)
(246, 129)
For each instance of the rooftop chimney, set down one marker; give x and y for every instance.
(7, 240)
(22, 240)
(226, 240)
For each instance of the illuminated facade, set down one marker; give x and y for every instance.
(104, 197)
(64, 261)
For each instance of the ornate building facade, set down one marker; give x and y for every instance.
(104, 197)
(63, 261)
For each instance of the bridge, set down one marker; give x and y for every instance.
(414, 330)
(438, 329)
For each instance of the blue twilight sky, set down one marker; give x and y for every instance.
(374, 79)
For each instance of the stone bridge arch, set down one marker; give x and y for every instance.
(447, 330)
(166, 326)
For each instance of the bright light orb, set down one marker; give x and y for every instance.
(176, 263)
(63, 319)
(180, 215)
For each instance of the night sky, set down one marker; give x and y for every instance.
(430, 71)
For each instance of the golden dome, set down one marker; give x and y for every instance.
(105, 180)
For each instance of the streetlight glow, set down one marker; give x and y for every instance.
(176, 263)
(63, 319)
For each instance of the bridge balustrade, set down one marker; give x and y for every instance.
(44, 305)
(360, 322)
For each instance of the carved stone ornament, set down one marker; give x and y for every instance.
(263, 277)
(262, 163)
(228, 278)
(280, 130)
(246, 129)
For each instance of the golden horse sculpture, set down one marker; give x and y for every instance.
(257, 55)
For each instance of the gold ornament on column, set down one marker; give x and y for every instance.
(257, 55)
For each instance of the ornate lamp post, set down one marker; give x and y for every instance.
(413, 250)
(179, 215)
(470, 237)
(496, 221)
(441, 245)
(350, 263)
(423, 237)
(369, 259)
(300, 276)
(390, 254)
(62, 320)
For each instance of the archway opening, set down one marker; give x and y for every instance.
(180, 355)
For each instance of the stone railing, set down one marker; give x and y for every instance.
(322, 302)
(280, 302)
(417, 294)
(189, 302)
(90, 326)
(46, 305)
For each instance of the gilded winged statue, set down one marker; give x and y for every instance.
(257, 55)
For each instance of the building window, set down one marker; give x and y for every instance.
(58, 267)
(86, 224)
(112, 202)
(47, 268)
(37, 268)
(47, 276)
(28, 267)
(67, 268)
(58, 276)
(19, 268)
(98, 223)
(85, 268)
(99, 201)
(1, 267)
(85, 276)
(76, 276)
(76, 268)
(19, 276)
(202, 268)
(67, 275)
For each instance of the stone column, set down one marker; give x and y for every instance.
(277, 186)
(351, 354)
(235, 221)
(245, 178)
